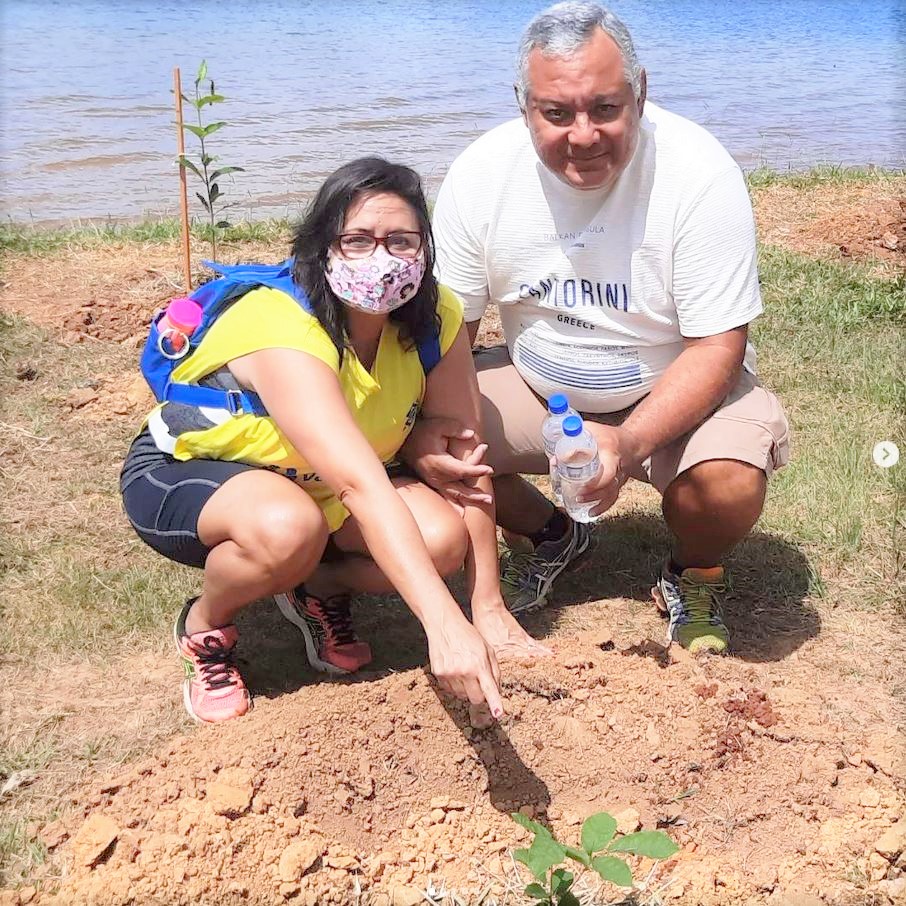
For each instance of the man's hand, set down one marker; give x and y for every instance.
(618, 450)
(427, 451)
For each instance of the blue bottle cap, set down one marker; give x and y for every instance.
(557, 404)
(572, 425)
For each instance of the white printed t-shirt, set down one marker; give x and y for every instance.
(597, 288)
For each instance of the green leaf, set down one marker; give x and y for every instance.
(209, 99)
(653, 844)
(197, 131)
(561, 880)
(612, 869)
(185, 162)
(568, 898)
(211, 128)
(542, 855)
(536, 891)
(222, 225)
(579, 855)
(214, 192)
(221, 171)
(597, 831)
(204, 201)
(207, 159)
(202, 71)
(529, 825)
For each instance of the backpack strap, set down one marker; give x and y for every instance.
(429, 353)
(241, 279)
(236, 402)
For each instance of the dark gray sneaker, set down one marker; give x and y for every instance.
(527, 576)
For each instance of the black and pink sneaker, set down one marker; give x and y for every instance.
(213, 689)
(326, 625)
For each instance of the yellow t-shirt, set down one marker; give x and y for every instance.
(384, 402)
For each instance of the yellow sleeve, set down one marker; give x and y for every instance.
(265, 318)
(449, 309)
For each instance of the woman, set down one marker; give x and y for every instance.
(342, 385)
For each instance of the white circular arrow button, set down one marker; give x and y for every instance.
(886, 454)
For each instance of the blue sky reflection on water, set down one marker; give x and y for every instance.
(87, 112)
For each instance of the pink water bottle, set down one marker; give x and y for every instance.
(176, 325)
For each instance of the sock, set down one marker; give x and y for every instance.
(552, 530)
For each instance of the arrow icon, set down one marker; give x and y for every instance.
(886, 454)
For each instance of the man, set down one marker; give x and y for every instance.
(618, 241)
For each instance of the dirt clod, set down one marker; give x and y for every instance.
(298, 858)
(80, 397)
(892, 842)
(94, 841)
(231, 795)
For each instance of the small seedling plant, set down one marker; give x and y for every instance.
(204, 168)
(599, 843)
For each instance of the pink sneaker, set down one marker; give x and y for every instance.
(213, 689)
(326, 625)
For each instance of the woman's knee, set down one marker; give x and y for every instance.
(447, 540)
(285, 539)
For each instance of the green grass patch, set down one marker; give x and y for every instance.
(831, 345)
(20, 854)
(29, 240)
(828, 174)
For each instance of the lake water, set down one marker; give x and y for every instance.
(87, 111)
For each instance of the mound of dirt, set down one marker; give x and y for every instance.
(862, 222)
(380, 789)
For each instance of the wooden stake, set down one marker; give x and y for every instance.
(183, 197)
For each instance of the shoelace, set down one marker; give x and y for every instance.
(216, 664)
(702, 601)
(338, 616)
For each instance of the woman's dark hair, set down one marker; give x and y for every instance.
(323, 222)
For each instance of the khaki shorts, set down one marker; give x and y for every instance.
(749, 426)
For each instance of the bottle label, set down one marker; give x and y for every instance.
(580, 472)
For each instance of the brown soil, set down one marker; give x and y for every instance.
(766, 783)
(863, 222)
(779, 772)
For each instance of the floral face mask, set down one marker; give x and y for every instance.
(378, 284)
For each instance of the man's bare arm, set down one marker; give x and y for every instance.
(685, 395)
(688, 391)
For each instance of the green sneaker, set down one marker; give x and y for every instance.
(527, 576)
(693, 603)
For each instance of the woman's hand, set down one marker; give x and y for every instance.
(427, 450)
(463, 664)
(502, 632)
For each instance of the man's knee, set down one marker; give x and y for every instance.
(718, 485)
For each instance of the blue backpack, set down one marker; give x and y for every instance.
(215, 298)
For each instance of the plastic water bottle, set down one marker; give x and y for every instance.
(176, 325)
(558, 408)
(577, 463)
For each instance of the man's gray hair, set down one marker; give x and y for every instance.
(561, 29)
